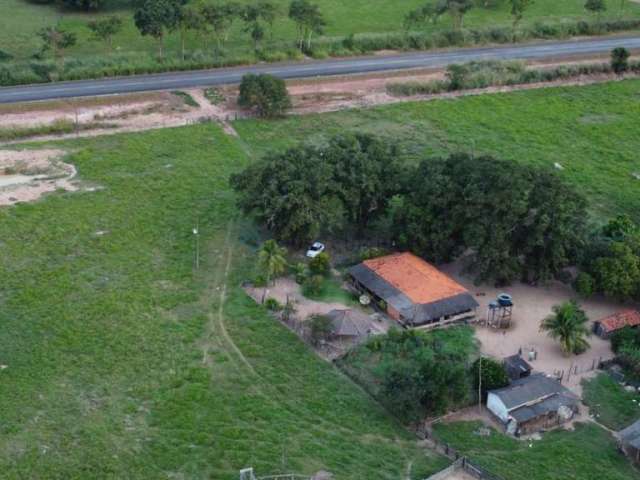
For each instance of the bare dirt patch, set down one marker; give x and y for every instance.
(26, 175)
(531, 305)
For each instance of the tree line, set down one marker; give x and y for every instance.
(508, 221)
(209, 21)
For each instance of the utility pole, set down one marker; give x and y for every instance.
(196, 233)
(480, 384)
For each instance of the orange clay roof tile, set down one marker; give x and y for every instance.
(417, 279)
(620, 320)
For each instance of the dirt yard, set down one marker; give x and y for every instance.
(531, 305)
(26, 175)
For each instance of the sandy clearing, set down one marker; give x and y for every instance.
(26, 175)
(532, 304)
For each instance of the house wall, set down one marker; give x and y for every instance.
(393, 313)
(495, 405)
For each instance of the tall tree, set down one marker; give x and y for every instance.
(57, 40)
(221, 17)
(620, 60)
(272, 261)
(266, 94)
(429, 12)
(308, 20)
(157, 17)
(458, 9)
(568, 325)
(518, 9)
(190, 18)
(106, 28)
(255, 17)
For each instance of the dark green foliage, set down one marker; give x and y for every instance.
(584, 285)
(272, 304)
(493, 375)
(308, 190)
(266, 94)
(517, 221)
(595, 6)
(626, 336)
(308, 19)
(313, 286)
(321, 264)
(421, 374)
(157, 17)
(321, 328)
(620, 60)
(57, 40)
(220, 17)
(105, 28)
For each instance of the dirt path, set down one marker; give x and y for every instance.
(216, 327)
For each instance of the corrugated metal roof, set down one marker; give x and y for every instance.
(349, 323)
(631, 435)
(548, 405)
(530, 389)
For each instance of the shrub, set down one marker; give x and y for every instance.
(372, 252)
(272, 304)
(584, 285)
(620, 60)
(313, 286)
(300, 272)
(321, 328)
(494, 375)
(321, 264)
(265, 93)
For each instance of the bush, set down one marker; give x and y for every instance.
(300, 272)
(313, 286)
(265, 93)
(272, 304)
(321, 328)
(620, 60)
(494, 375)
(372, 252)
(584, 285)
(321, 264)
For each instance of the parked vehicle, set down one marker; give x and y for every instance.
(316, 249)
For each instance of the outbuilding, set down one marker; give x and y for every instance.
(608, 325)
(517, 367)
(412, 291)
(630, 441)
(532, 403)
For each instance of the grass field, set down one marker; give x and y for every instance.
(17, 36)
(124, 363)
(614, 406)
(588, 453)
(590, 131)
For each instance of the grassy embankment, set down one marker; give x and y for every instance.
(588, 453)
(613, 406)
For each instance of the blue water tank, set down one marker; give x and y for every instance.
(505, 300)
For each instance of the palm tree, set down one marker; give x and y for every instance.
(568, 325)
(272, 261)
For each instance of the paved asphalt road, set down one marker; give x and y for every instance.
(177, 80)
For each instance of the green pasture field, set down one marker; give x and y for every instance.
(590, 131)
(588, 453)
(610, 403)
(124, 362)
(20, 20)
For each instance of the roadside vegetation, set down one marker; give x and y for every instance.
(121, 360)
(609, 403)
(587, 453)
(484, 74)
(119, 37)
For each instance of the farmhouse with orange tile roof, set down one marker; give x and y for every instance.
(412, 291)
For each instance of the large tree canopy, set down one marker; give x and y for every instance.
(307, 190)
(515, 221)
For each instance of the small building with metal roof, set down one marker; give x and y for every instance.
(630, 441)
(532, 403)
(412, 291)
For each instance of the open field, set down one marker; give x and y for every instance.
(608, 401)
(590, 131)
(356, 16)
(123, 363)
(588, 453)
